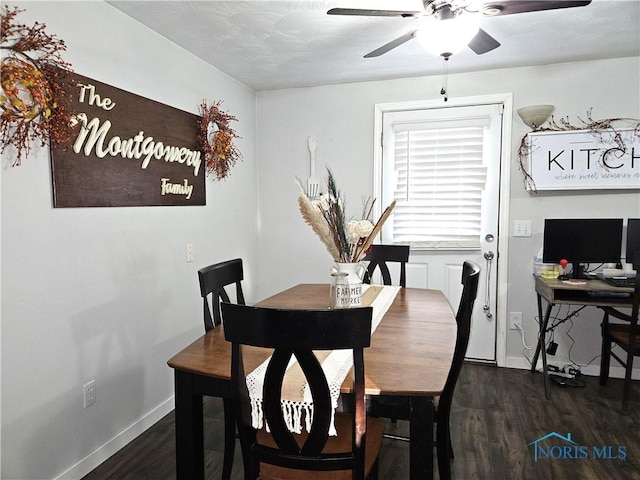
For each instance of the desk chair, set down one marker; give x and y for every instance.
(625, 335)
(378, 257)
(213, 280)
(398, 407)
(280, 454)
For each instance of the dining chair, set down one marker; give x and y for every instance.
(213, 280)
(313, 453)
(624, 335)
(393, 407)
(379, 255)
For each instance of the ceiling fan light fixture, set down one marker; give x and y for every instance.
(491, 10)
(535, 115)
(449, 36)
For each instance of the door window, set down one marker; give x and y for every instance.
(434, 164)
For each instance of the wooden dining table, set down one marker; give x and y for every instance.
(410, 355)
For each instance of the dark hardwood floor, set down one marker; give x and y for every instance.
(497, 414)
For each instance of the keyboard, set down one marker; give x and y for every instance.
(621, 281)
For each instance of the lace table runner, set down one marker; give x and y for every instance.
(297, 403)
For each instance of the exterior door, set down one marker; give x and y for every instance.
(436, 260)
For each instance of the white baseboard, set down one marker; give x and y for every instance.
(615, 371)
(100, 454)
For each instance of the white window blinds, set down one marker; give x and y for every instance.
(437, 175)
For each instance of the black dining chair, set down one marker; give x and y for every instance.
(398, 407)
(213, 280)
(279, 453)
(379, 255)
(625, 335)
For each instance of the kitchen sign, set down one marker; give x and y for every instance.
(127, 150)
(584, 160)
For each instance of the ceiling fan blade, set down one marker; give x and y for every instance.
(483, 42)
(509, 7)
(373, 13)
(391, 45)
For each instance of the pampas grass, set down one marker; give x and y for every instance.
(361, 251)
(326, 219)
(312, 215)
(334, 216)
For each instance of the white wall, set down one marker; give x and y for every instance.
(106, 293)
(341, 117)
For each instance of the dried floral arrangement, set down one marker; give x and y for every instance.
(215, 139)
(607, 129)
(346, 241)
(34, 79)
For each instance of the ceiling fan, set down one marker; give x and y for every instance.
(446, 16)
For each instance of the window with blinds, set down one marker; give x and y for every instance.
(436, 172)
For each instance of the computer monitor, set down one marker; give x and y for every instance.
(633, 239)
(581, 241)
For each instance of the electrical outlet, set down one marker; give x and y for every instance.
(515, 317)
(189, 253)
(522, 228)
(89, 393)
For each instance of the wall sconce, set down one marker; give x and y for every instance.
(535, 115)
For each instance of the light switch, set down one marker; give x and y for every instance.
(522, 228)
(189, 253)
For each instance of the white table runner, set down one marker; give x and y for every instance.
(298, 403)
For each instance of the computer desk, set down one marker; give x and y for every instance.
(557, 292)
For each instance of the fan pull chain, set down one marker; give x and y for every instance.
(445, 71)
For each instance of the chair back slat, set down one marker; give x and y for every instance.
(470, 279)
(213, 280)
(378, 257)
(635, 307)
(298, 333)
(624, 335)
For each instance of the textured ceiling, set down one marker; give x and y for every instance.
(271, 45)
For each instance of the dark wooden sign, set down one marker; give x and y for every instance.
(127, 150)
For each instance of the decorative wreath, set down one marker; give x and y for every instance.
(609, 128)
(34, 81)
(216, 138)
